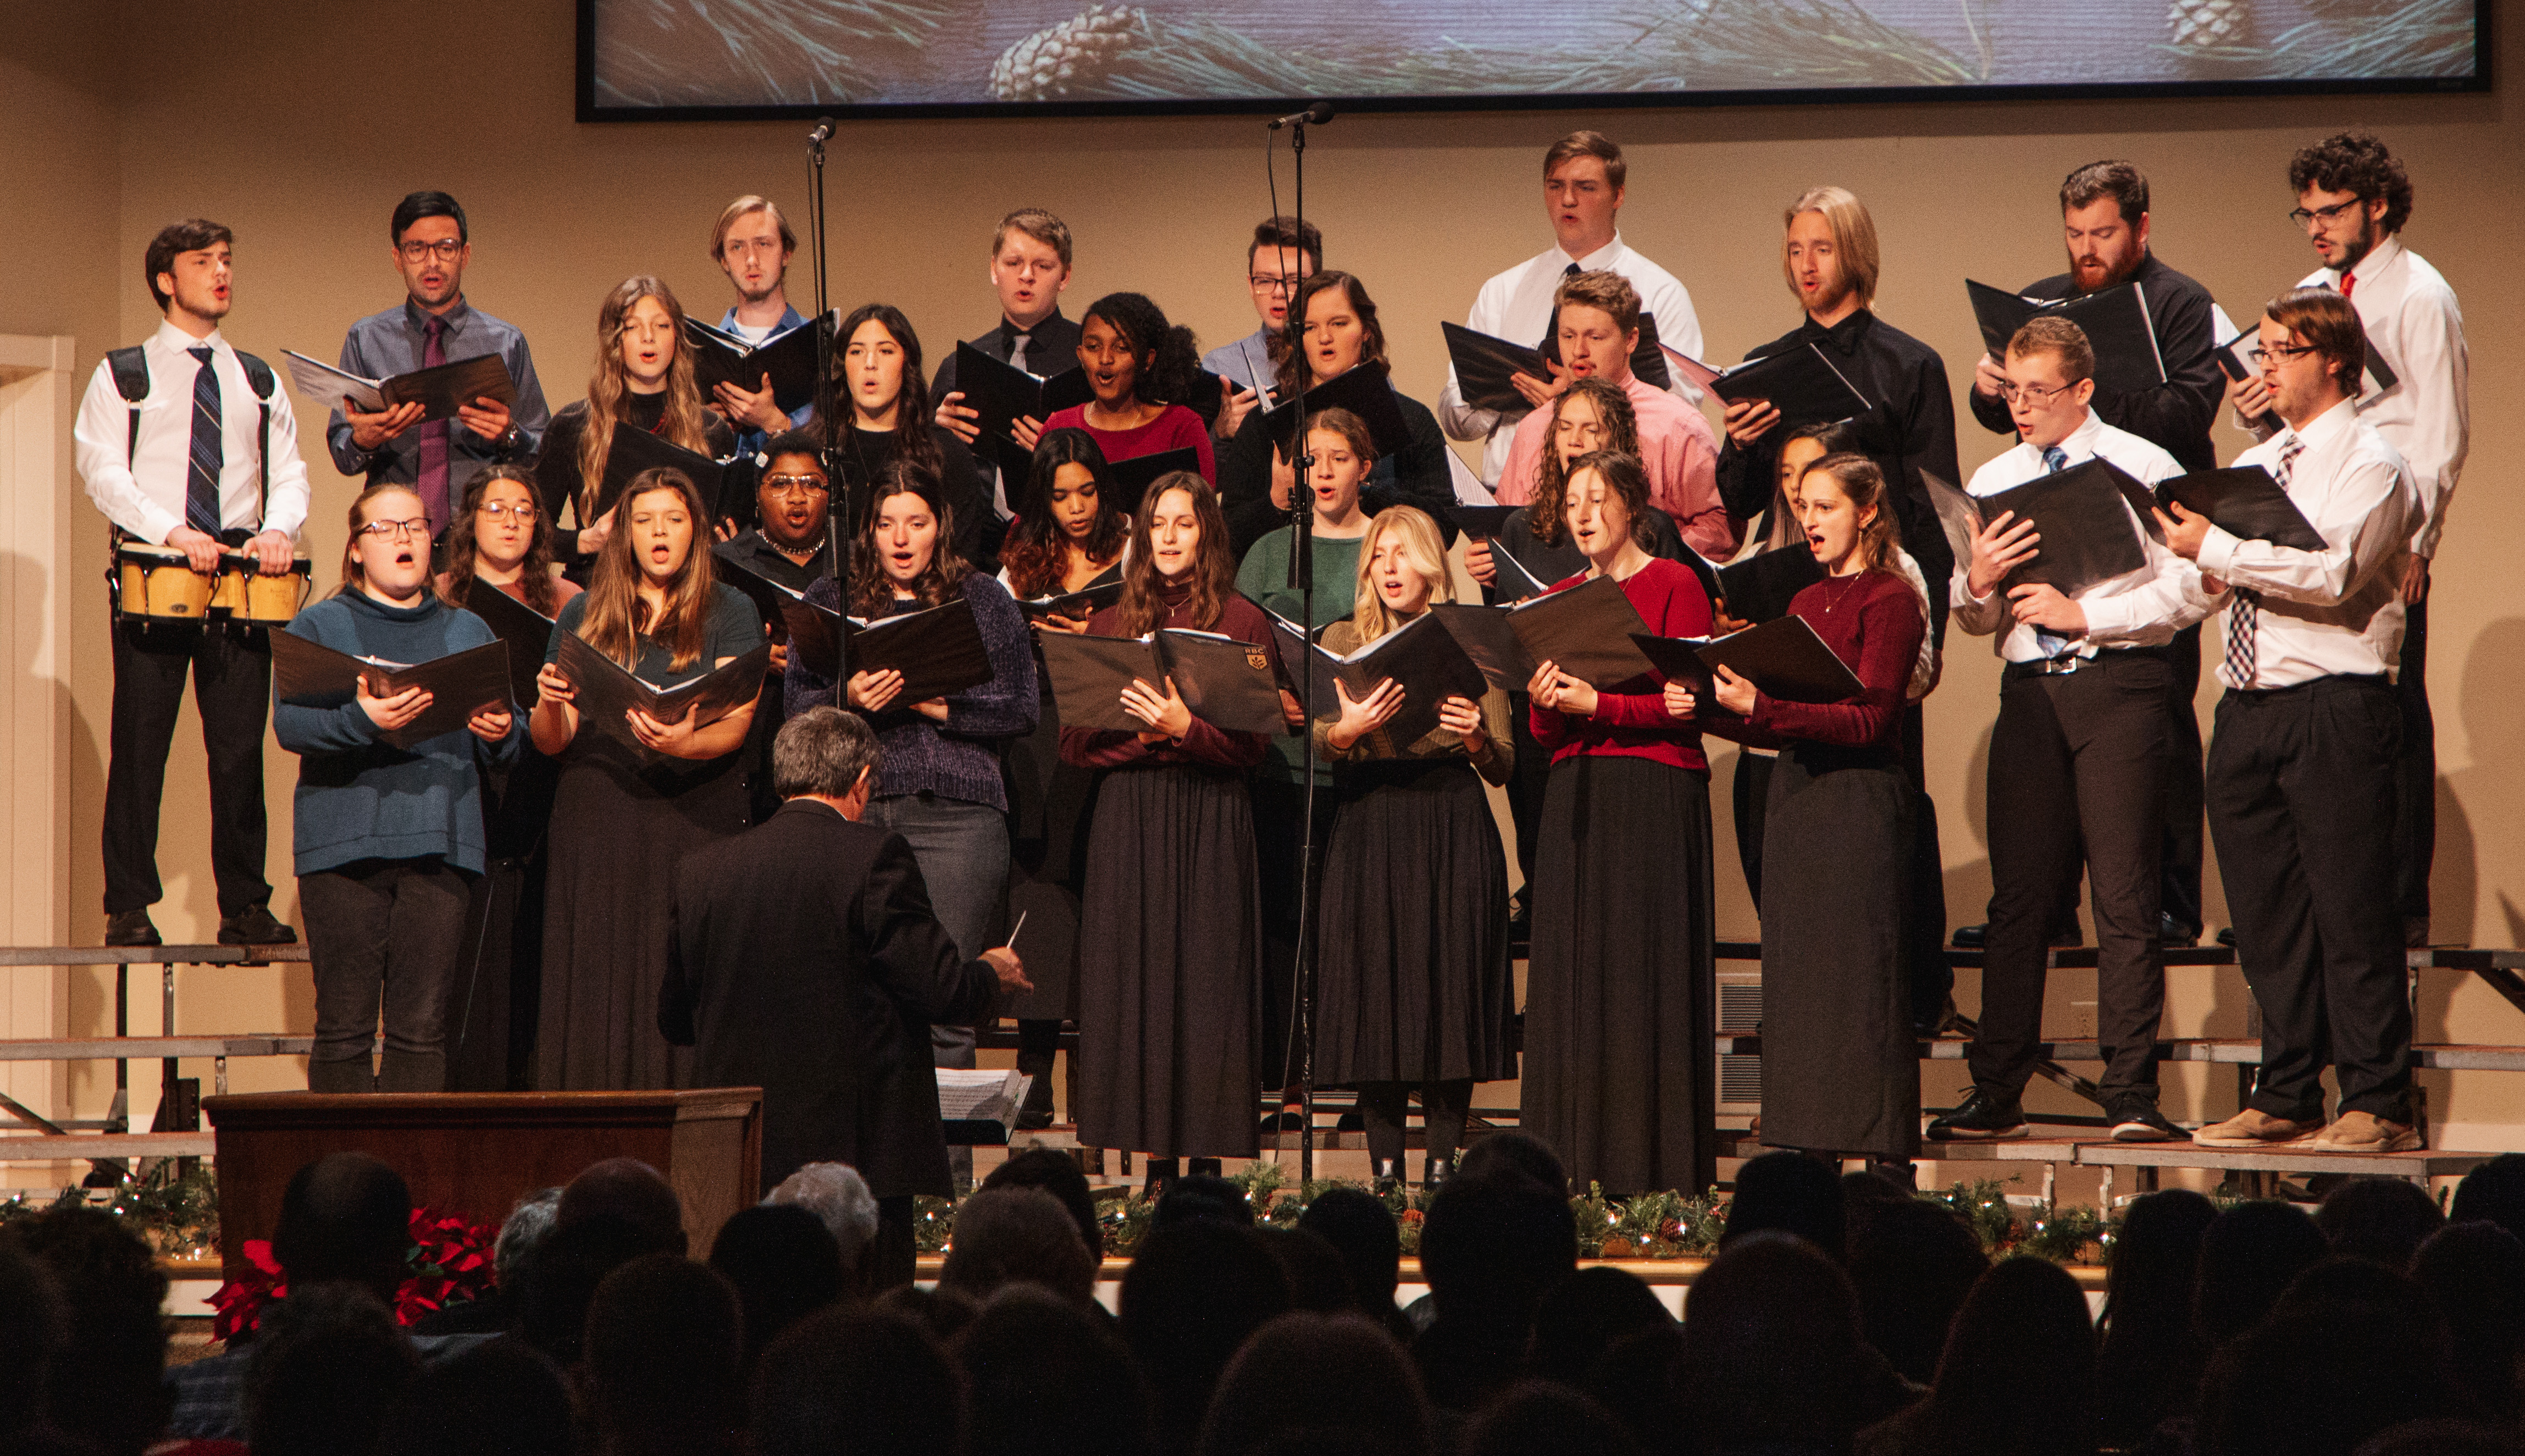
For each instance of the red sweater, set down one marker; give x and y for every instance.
(1870, 622)
(1206, 744)
(1176, 429)
(1630, 719)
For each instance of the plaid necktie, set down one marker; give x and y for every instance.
(433, 435)
(2244, 611)
(202, 472)
(2054, 461)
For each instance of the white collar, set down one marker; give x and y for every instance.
(1595, 262)
(2327, 428)
(2378, 259)
(177, 340)
(2081, 441)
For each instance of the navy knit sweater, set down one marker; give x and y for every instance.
(360, 797)
(959, 758)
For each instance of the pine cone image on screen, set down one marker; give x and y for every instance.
(1071, 55)
(2208, 23)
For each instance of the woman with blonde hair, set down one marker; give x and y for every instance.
(618, 825)
(1413, 986)
(642, 379)
(1841, 1070)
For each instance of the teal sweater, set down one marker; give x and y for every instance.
(362, 798)
(1265, 577)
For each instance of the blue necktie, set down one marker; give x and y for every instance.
(201, 472)
(2054, 461)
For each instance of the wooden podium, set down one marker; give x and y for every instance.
(476, 1153)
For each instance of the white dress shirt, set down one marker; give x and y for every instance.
(141, 488)
(1517, 306)
(2412, 318)
(2339, 610)
(2145, 608)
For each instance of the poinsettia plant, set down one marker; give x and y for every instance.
(449, 1262)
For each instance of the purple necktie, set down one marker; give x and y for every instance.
(433, 435)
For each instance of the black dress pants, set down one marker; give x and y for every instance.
(1279, 842)
(1527, 777)
(2179, 880)
(2416, 773)
(2077, 770)
(387, 932)
(2302, 810)
(231, 671)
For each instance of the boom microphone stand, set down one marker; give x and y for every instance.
(1302, 580)
(837, 546)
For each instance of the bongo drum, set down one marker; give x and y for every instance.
(159, 584)
(251, 597)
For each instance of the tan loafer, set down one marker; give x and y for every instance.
(2253, 1128)
(2366, 1133)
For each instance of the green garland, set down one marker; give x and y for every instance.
(174, 1213)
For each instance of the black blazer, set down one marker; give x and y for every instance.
(804, 959)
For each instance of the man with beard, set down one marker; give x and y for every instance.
(435, 325)
(753, 245)
(2352, 198)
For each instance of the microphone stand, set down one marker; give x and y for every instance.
(1302, 578)
(838, 546)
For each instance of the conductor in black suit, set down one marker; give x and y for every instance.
(806, 961)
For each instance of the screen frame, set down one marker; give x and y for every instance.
(589, 110)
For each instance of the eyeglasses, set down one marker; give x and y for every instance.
(797, 485)
(398, 530)
(1265, 283)
(2286, 352)
(500, 510)
(446, 248)
(2306, 219)
(2034, 395)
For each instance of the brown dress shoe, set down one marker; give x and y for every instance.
(2253, 1128)
(2366, 1133)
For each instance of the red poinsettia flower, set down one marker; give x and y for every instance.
(450, 1263)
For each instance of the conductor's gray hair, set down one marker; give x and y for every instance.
(822, 751)
(529, 1224)
(833, 1192)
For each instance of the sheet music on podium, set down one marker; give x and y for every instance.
(979, 1107)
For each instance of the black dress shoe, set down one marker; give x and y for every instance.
(1033, 1122)
(2227, 936)
(2172, 931)
(1972, 938)
(1983, 1117)
(2135, 1118)
(130, 927)
(255, 926)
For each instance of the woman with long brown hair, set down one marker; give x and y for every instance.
(1842, 1073)
(501, 541)
(874, 413)
(1333, 329)
(1166, 1012)
(617, 827)
(642, 379)
(939, 783)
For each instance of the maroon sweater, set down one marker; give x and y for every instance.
(1872, 623)
(1206, 744)
(1630, 718)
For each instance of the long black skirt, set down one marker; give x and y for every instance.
(1840, 1071)
(1050, 804)
(1170, 942)
(1413, 979)
(1620, 1069)
(616, 834)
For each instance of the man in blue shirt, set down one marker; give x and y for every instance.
(1284, 251)
(434, 325)
(753, 245)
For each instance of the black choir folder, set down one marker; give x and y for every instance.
(1782, 657)
(1005, 393)
(938, 650)
(2244, 502)
(1130, 476)
(1483, 363)
(2115, 321)
(308, 674)
(789, 357)
(1799, 381)
(440, 389)
(2083, 514)
(1759, 588)
(604, 690)
(527, 631)
(635, 450)
(1363, 391)
(1084, 602)
(1227, 684)
(1421, 655)
(1481, 520)
(771, 599)
(1586, 630)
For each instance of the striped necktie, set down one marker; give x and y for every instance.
(2245, 610)
(2054, 461)
(433, 437)
(203, 462)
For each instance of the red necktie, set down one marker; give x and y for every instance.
(2348, 281)
(433, 435)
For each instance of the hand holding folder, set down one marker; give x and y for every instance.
(1225, 682)
(440, 390)
(606, 693)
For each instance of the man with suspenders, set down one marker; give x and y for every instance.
(172, 456)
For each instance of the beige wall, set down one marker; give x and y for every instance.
(297, 125)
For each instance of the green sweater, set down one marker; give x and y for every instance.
(1265, 577)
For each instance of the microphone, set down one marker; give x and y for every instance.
(824, 131)
(1314, 115)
